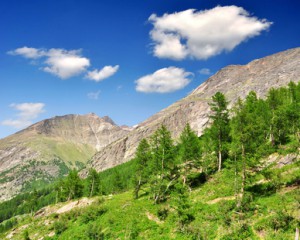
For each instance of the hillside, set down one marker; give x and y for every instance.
(238, 180)
(269, 214)
(47, 150)
(234, 81)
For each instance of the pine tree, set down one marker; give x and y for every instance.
(219, 129)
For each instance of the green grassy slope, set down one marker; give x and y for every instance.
(270, 211)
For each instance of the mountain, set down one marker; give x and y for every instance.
(48, 149)
(235, 81)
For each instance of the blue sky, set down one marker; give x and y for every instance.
(126, 59)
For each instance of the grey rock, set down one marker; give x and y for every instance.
(235, 81)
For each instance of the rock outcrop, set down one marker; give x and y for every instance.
(47, 149)
(235, 81)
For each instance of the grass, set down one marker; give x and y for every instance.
(270, 216)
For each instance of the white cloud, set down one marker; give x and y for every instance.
(203, 34)
(65, 64)
(164, 80)
(205, 71)
(99, 75)
(26, 113)
(60, 62)
(27, 52)
(93, 95)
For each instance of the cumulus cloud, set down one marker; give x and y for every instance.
(60, 62)
(203, 34)
(99, 75)
(26, 113)
(65, 64)
(164, 80)
(205, 71)
(93, 95)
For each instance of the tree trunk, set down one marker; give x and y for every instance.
(243, 174)
(297, 234)
(220, 154)
(92, 188)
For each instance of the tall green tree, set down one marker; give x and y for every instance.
(219, 129)
(189, 150)
(142, 158)
(162, 164)
(71, 187)
(93, 182)
(249, 134)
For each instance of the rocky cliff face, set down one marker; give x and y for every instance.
(47, 149)
(234, 81)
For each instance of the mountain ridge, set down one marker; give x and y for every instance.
(47, 149)
(234, 81)
(54, 145)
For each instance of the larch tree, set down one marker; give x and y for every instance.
(219, 129)
(142, 158)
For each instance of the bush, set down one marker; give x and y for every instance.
(94, 231)
(162, 213)
(92, 213)
(60, 226)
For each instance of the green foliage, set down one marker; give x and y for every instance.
(93, 183)
(92, 213)
(26, 235)
(219, 130)
(246, 200)
(60, 226)
(71, 187)
(94, 231)
(142, 157)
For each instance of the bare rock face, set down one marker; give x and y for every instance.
(46, 150)
(234, 81)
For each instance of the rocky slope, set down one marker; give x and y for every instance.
(234, 81)
(47, 149)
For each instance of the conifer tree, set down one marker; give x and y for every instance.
(220, 125)
(72, 186)
(93, 182)
(189, 150)
(142, 157)
(162, 164)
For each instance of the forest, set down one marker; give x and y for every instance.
(168, 176)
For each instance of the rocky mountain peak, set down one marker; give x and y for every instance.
(51, 145)
(235, 81)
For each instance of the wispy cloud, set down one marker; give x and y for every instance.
(203, 34)
(93, 95)
(64, 63)
(27, 112)
(99, 75)
(205, 71)
(164, 80)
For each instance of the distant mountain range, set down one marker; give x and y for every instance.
(47, 150)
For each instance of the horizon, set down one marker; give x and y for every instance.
(126, 61)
